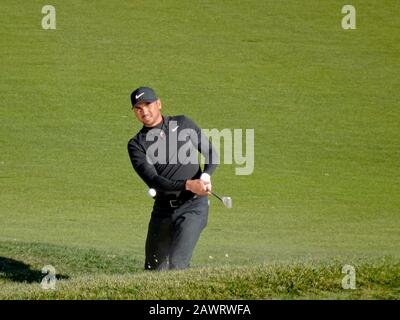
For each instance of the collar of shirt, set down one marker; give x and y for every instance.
(163, 125)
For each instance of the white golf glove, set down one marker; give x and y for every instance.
(205, 177)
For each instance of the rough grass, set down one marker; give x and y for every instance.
(92, 274)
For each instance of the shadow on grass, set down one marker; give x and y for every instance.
(18, 271)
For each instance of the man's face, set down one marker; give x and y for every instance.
(148, 113)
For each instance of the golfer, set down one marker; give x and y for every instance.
(165, 154)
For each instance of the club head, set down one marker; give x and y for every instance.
(227, 201)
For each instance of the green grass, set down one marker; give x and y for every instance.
(94, 274)
(323, 103)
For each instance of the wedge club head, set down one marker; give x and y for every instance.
(227, 201)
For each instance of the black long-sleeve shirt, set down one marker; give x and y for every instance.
(159, 155)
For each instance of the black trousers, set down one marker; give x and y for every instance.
(173, 234)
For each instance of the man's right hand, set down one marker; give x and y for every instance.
(197, 186)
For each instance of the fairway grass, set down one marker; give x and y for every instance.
(91, 274)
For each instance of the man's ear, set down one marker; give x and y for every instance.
(159, 104)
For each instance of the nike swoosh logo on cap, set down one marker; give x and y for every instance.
(139, 95)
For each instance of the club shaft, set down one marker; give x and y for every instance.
(217, 196)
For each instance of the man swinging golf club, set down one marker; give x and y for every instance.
(164, 153)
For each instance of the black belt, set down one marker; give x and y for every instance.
(173, 200)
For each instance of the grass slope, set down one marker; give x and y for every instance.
(90, 274)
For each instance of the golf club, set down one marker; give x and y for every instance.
(227, 201)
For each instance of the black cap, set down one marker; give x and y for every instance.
(143, 94)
